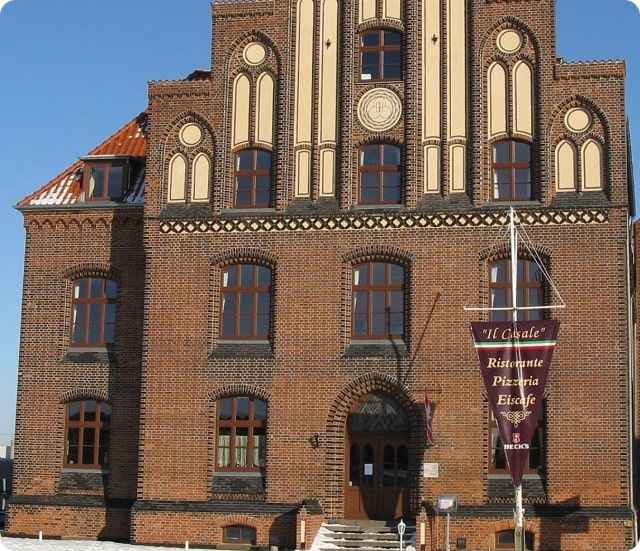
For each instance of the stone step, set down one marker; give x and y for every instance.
(382, 544)
(359, 536)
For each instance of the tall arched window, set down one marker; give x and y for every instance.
(253, 179)
(242, 434)
(94, 312)
(378, 301)
(380, 167)
(529, 289)
(381, 55)
(512, 171)
(246, 302)
(87, 434)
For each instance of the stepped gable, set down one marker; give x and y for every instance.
(65, 189)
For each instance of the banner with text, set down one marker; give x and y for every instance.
(514, 361)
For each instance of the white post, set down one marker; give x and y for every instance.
(519, 513)
(401, 529)
(448, 545)
(40, 535)
(186, 545)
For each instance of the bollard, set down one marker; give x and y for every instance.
(186, 545)
(40, 535)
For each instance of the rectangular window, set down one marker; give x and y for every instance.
(105, 181)
(93, 312)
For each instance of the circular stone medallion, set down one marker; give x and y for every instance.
(379, 109)
(254, 53)
(577, 119)
(509, 41)
(190, 134)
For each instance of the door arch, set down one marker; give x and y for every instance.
(376, 482)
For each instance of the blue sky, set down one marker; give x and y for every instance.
(72, 71)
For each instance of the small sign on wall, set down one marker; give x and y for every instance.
(431, 470)
(368, 469)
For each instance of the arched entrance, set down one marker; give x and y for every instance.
(377, 459)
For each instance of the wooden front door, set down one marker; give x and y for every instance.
(377, 476)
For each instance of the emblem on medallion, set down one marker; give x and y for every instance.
(379, 109)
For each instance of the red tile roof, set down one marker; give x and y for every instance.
(64, 189)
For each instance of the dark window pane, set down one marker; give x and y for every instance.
(263, 192)
(389, 466)
(378, 273)
(264, 276)
(391, 155)
(95, 323)
(523, 191)
(244, 160)
(391, 37)
(229, 315)
(112, 289)
(396, 274)
(81, 288)
(225, 409)
(242, 409)
(392, 190)
(361, 275)
(105, 413)
(522, 176)
(79, 323)
(500, 272)
(73, 437)
(97, 288)
(230, 277)
(97, 182)
(522, 152)
(244, 184)
(371, 39)
(90, 408)
(501, 152)
(74, 411)
(88, 446)
(370, 155)
(502, 176)
(264, 309)
(263, 161)
(506, 537)
(392, 72)
(116, 182)
(360, 325)
(260, 410)
(104, 448)
(247, 275)
(393, 58)
(499, 298)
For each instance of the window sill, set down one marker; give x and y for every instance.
(248, 212)
(96, 355)
(376, 349)
(381, 206)
(242, 349)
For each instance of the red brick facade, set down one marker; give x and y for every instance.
(168, 367)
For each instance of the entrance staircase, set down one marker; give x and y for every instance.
(362, 535)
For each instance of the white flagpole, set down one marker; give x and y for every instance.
(519, 512)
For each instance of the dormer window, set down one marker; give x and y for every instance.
(105, 181)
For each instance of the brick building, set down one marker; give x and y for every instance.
(236, 307)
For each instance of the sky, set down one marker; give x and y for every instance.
(73, 71)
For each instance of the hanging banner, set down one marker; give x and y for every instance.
(514, 362)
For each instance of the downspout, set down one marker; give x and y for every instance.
(631, 376)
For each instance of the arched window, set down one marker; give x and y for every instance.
(380, 167)
(177, 178)
(497, 457)
(94, 312)
(239, 533)
(381, 55)
(378, 301)
(512, 171)
(200, 176)
(87, 434)
(253, 179)
(529, 289)
(246, 302)
(242, 434)
(506, 540)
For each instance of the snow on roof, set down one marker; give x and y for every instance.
(66, 188)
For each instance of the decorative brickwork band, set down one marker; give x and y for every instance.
(384, 221)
